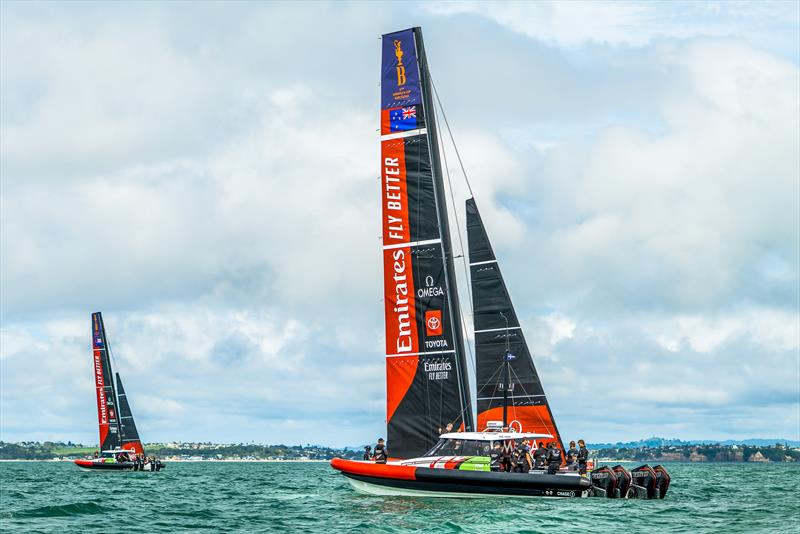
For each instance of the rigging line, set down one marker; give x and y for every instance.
(458, 226)
(471, 361)
(452, 286)
(544, 423)
(497, 371)
(444, 116)
(488, 382)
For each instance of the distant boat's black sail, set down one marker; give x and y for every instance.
(128, 433)
(426, 381)
(527, 402)
(104, 385)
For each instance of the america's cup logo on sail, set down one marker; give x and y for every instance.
(400, 79)
(401, 69)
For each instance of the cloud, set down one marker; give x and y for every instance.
(213, 190)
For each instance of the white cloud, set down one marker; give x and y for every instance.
(215, 193)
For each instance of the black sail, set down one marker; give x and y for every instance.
(528, 407)
(129, 435)
(426, 381)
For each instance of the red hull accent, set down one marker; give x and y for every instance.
(399, 472)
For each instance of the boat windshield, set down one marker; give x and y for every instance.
(461, 447)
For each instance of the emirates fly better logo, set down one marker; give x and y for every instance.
(433, 322)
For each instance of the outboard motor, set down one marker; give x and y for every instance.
(644, 482)
(662, 481)
(604, 482)
(623, 481)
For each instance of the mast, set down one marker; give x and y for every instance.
(444, 225)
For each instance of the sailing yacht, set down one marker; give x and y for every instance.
(120, 446)
(427, 386)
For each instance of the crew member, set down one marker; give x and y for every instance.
(553, 458)
(583, 457)
(367, 453)
(508, 451)
(381, 454)
(522, 458)
(539, 456)
(572, 456)
(496, 456)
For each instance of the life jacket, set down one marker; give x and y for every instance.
(539, 456)
(554, 456)
(572, 454)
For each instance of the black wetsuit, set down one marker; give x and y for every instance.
(496, 458)
(583, 458)
(381, 454)
(367, 455)
(522, 459)
(506, 462)
(553, 460)
(540, 457)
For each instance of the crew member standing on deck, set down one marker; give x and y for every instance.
(540, 456)
(367, 453)
(381, 454)
(583, 457)
(508, 451)
(522, 458)
(572, 456)
(553, 458)
(496, 456)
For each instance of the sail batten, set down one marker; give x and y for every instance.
(425, 371)
(498, 331)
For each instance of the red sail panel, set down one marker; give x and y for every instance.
(401, 321)
(528, 418)
(423, 386)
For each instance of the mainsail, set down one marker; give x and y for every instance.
(426, 381)
(497, 330)
(129, 434)
(104, 384)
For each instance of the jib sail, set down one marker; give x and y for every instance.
(427, 387)
(129, 435)
(527, 403)
(106, 396)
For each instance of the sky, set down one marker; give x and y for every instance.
(207, 176)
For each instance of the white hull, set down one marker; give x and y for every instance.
(386, 491)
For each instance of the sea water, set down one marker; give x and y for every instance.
(311, 497)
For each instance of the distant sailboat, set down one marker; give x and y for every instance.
(435, 447)
(120, 446)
